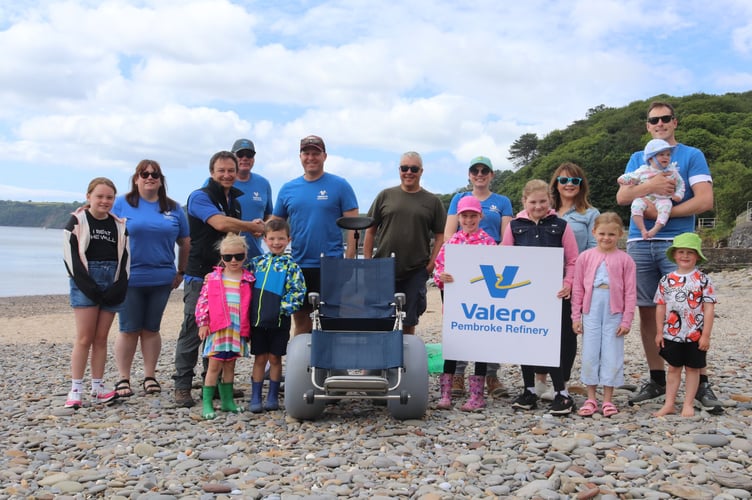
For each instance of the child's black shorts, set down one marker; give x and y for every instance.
(270, 340)
(680, 354)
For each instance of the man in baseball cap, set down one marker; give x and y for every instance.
(256, 200)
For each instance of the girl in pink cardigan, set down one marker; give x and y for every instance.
(222, 316)
(604, 295)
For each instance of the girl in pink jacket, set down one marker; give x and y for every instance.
(222, 315)
(604, 295)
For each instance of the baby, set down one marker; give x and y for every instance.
(657, 161)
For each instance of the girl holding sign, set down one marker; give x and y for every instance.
(538, 225)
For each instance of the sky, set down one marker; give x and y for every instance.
(89, 88)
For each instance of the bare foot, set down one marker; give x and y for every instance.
(688, 411)
(666, 410)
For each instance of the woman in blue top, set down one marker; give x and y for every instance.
(155, 224)
(497, 212)
(570, 195)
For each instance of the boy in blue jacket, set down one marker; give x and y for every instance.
(279, 291)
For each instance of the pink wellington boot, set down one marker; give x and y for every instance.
(445, 383)
(476, 401)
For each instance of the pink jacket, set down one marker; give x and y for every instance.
(622, 283)
(211, 307)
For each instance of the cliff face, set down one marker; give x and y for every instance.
(741, 237)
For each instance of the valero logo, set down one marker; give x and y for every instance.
(499, 284)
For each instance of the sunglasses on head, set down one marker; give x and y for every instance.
(653, 120)
(412, 168)
(227, 257)
(245, 153)
(566, 180)
(480, 171)
(145, 175)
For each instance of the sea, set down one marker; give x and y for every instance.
(31, 262)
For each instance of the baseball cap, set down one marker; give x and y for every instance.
(687, 240)
(655, 146)
(313, 141)
(481, 160)
(242, 144)
(469, 204)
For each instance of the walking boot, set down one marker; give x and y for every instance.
(226, 396)
(445, 384)
(476, 401)
(255, 404)
(208, 395)
(272, 397)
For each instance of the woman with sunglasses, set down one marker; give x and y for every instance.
(155, 224)
(224, 322)
(570, 200)
(497, 212)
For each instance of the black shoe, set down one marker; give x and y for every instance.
(707, 399)
(650, 390)
(525, 401)
(562, 405)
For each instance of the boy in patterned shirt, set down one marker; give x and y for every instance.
(685, 305)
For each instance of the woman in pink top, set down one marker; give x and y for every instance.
(604, 295)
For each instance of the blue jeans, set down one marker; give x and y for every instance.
(652, 263)
(143, 308)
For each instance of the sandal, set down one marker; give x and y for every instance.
(588, 408)
(123, 388)
(609, 409)
(151, 386)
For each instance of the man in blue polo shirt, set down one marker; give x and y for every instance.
(256, 200)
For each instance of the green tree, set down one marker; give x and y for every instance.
(523, 150)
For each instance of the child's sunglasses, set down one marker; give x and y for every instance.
(227, 257)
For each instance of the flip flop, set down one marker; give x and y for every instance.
(151, 386)
(123, 388)
(609, 409)
(588, 408)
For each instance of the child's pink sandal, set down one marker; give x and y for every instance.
(588, 408)
(609, 409)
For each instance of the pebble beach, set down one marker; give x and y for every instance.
(144, 447)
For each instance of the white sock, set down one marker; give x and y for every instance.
(531, 389)
(77, 385)
(97, 385)
(564, 393)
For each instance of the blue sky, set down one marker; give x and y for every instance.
(89, 88)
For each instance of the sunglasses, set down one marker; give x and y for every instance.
(145, 175)
(245, 154)
(653, 120)
(411, 168)
(480, 171)
(227, 257)
(566, 180)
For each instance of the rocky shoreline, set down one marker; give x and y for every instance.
(145, 448)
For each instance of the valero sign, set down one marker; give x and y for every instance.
(502, 305)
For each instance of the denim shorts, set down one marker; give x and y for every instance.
(651, 261)
(143, 308)
(103, 274)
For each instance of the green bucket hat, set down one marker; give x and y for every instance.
(687, 240)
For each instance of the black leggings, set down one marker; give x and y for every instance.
(480, 367)
(568, 350)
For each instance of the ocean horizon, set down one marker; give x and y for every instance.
(31, 262)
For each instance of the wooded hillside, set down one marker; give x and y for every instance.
(602, 142)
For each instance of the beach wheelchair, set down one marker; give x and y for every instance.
(357, 349)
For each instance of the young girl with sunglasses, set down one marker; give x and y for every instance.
(223, 318)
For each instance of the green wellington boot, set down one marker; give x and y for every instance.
(208, 395)
(225, 396)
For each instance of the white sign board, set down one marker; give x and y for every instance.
(502, 305)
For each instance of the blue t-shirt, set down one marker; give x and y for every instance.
(152, 240)
(693, 168)
(494, 208)
(312, 209)
(256, 203)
